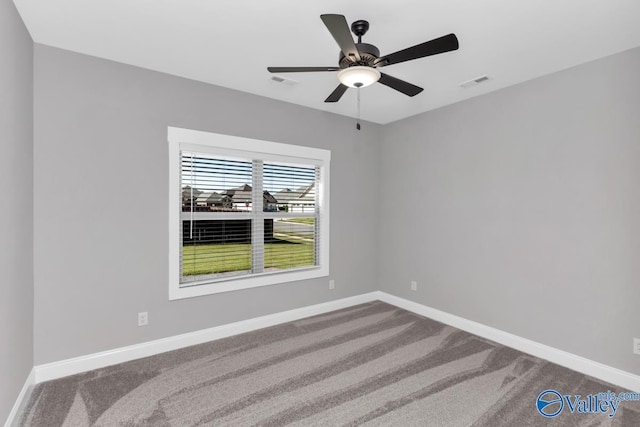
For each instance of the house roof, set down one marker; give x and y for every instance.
(187, 192)
(299, 195)
(209, 197)
(268, 197)
(244, 193)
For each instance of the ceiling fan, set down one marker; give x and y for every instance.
(359, 62)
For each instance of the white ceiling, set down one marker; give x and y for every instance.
(231, 42)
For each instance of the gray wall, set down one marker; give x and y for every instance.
(16, 218)
(101, 198)
(520, 209)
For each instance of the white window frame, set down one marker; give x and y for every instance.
(186, 139)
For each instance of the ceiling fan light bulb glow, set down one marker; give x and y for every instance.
(358, 76)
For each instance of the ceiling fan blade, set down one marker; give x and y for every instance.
(399, 85)
(337, 93)
(433, 47)
(339, 29)
(300, 69)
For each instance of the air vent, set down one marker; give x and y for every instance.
(475, 81)
(282, 80)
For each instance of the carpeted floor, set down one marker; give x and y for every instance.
(373, 364)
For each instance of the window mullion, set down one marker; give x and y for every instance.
(257, 223)
(317, 224)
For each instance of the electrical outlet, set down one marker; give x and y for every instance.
(332, 284)
(143, 318)
(414, 285)
(636, 345)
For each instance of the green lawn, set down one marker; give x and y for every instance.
(221, 258)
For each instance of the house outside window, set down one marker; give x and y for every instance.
(245, 213)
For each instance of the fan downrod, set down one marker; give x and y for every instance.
(360, 28)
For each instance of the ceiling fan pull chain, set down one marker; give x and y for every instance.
(358, 102)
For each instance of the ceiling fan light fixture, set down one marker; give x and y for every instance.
(358, 76)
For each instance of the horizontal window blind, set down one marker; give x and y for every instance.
(244, 217)
(211, 184)
(293, 187)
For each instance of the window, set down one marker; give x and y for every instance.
(244, 213)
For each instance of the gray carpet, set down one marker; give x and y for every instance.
(372, 364)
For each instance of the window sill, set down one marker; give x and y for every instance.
(228, 285)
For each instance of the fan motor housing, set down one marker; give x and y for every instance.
(368, 54)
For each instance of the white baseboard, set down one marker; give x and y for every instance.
(77, 365)
(580, 364)
(15, 411)
(63, 368)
